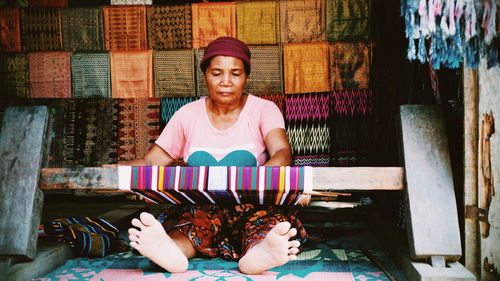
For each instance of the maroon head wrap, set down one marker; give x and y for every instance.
(226, 46)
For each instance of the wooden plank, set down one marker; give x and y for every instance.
(433, 214)
(352, 178)
(22, 143)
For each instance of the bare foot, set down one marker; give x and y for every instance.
(274, 250)
(154, 243)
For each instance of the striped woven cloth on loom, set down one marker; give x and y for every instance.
(347, 20)
(82, 29)
(49, 74)
(168, 106)
(90, 75)
(351, 127)
(132, 74)
(125, 28)
(138, 126)
(257, 22)
(306, 68)
(169, 27)
(10, 33)
(218, 185)
(212, 20)
(131, 2)
(266, 75)
(302, 21)
(41, 29)
(174, 73)
(48, 3)
(350, 65)
(14, 75)
(92, 126)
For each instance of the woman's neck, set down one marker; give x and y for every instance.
(223, 116)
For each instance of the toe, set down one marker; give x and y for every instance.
(133, 238)
(133, 231)
(292, 232)
(292, 257)
(294, 244)
(293, 251)
(137, 223)
(134, 245)
(147, 219)
(281, 228)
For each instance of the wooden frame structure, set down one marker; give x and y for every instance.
(426, 178)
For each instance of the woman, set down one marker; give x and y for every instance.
(227, 128)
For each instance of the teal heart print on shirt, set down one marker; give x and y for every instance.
(235, 158)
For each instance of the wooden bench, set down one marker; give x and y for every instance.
(426, 178)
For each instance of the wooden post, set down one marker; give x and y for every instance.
(471, 103)
(22, 145)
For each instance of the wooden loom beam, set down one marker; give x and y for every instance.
(324, 178)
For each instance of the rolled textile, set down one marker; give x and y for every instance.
(258, 22)
(48, 3)
(302, 21)
(88, 3)
(131, 2)
(125, 28)
(168, 106)
(169, 27)
(82, 29)
(212, 20)
(347, 20)
(50, 74)
(41, 29)
(10, 33)
(174, 73)
(350, 65)
(266, 77)
(90, 74)
(132, 74)
(14, 75)
(138, 126)
(306, 68)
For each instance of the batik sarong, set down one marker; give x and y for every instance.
(306, 68)
(174, 73)
(302, 21)
(10, 31)
(125, 28)
(213, 20)
(50, 74)
(82, 29)
(266, 75)
(41, 29)
(131, 74)
(350, 65)
(14, 75)
(138, 127)
(48, 3)
(347, 20)
(258, 22)
(169, 27)
(90, 75)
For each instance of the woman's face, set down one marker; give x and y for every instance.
(226, 78)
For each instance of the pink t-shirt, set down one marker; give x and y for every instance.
(190, 135)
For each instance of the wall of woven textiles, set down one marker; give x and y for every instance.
(113, 72)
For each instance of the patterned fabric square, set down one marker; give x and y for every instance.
(14, 75)
(347, 20)
(10, 31)
(350, 65)
(213, 20)
(48, 3)
(132, 74)
(90, 75)
(266, 77)
(131, 2)
(351, 127)
(174, 73)
(302, 21)
(82, 29)
(41, 29)
(306, 68)
(138, 126)
(49, 75)
(201, 86)
(169, 106)
(88, 3)
(169, 27)
(125, 28)
(257, 22)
